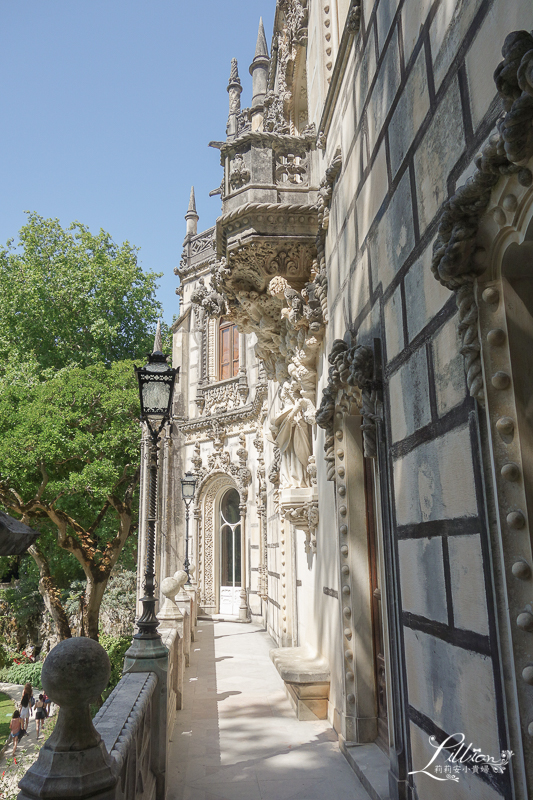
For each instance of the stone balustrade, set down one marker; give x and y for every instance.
(120, 754)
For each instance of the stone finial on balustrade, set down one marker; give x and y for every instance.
(73, 762)
(182, 578)
(170, 611)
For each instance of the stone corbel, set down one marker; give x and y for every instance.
(300, 508)
(350, 382)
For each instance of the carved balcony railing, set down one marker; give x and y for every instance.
(222, 396)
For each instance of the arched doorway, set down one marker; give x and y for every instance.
(230, 552)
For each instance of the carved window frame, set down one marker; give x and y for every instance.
(359, 720)
(508, 221)
(212, 491)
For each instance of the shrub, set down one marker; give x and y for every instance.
(23, 673)
(115, 647)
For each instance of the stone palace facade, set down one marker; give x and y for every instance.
(355, 395)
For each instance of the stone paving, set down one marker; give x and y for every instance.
(237, 736)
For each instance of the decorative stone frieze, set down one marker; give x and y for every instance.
(220, 461)
(222, 397)
(234, 421)
(350, 383)
(457, 258)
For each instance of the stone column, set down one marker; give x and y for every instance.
(243, 608)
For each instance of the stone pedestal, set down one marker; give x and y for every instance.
(73, 764)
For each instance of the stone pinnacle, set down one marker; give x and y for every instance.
(234, 72)
(261, 48)
(158, 344)
(192, 202)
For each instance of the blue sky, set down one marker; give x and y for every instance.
(108, 107)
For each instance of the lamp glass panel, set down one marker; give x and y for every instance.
(187, 488)
(156, 395)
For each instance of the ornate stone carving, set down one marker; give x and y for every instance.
(303, 515)
(220, 461)
(274, 120)
(234, 420)
(457, 262)
(273, 473)
(291, 168)
(206, 539)
(350, 381)
(261, 502)
(222, 397)
(240, 174)
(354, 18)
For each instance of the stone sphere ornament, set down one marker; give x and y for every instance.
(181, 578)
(76, 671)
(170, 587)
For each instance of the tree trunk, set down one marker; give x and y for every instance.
(94, 594)
(51, 595)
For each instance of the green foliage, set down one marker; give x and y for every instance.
(75, 310)
(118, 605)
(23, 598)
(71, 298)
(115, 647)
(7, 706)
(81, 427)
(23, 673)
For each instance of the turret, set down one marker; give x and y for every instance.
(191, 216)
(259, 72)
(234, 91)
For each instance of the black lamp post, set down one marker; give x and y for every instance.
(188, 486)
(156, 385)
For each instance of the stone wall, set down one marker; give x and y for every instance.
(415, 103)
(387, 557)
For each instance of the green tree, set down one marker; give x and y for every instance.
(75, 309)
(71, 298)
(69, 457)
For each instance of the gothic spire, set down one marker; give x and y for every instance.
(261, 48)
(158, 344)
(192, 202)
(191, 217)
(259, 72)
(234, 91)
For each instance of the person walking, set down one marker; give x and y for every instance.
(25, 711)
(15, 730)
(39, 713)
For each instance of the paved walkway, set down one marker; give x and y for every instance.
(237, 736)
(28, 744)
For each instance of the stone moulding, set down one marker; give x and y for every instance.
(350, 381)
(268, 138)
(457, 258)
(351, 29)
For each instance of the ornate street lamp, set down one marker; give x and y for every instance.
(188, 486)
(156, 385)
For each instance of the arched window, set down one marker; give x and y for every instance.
(230, 552)
(228, 351)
